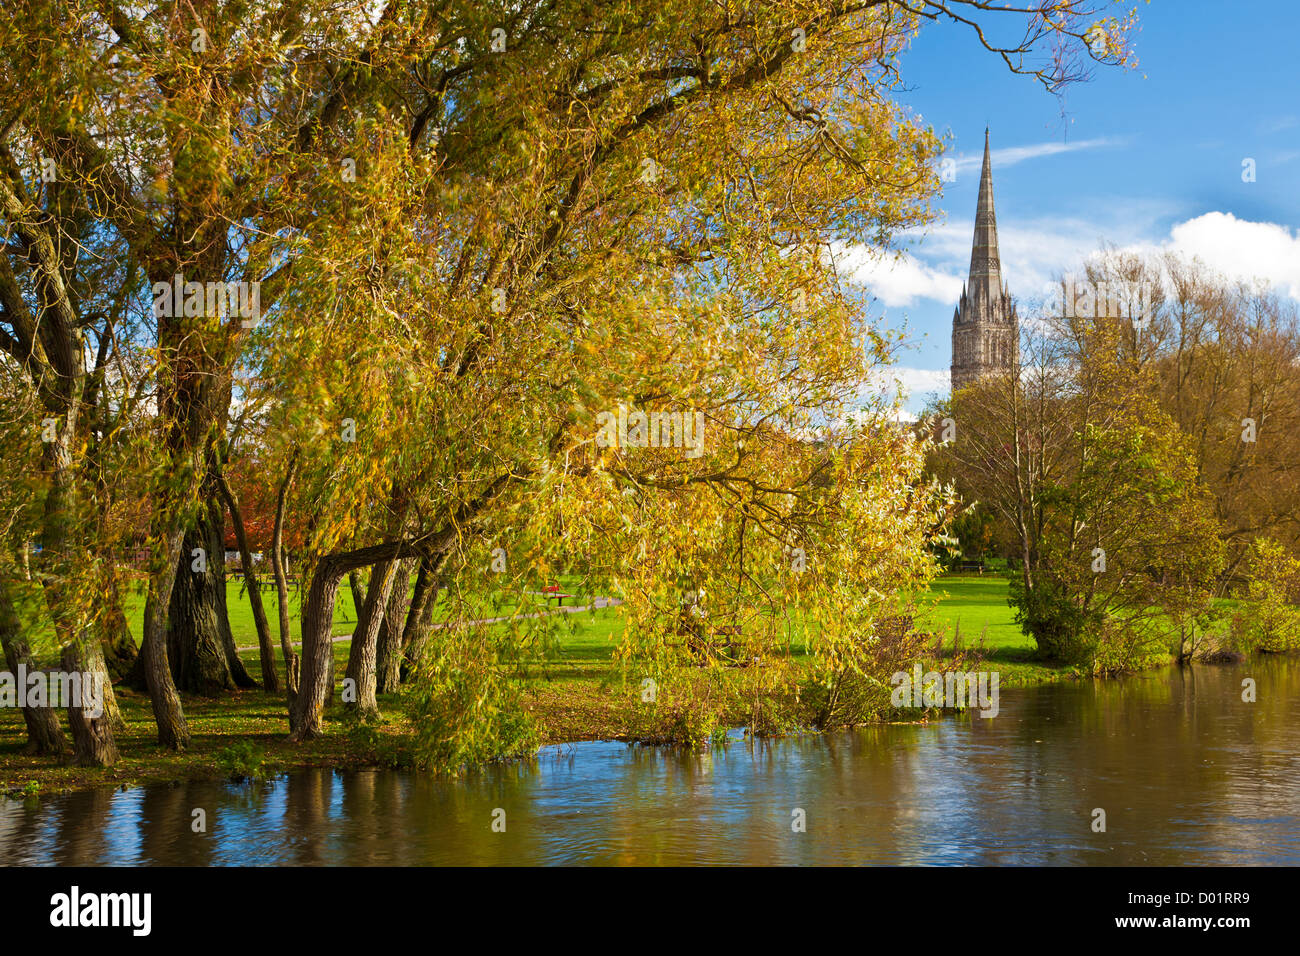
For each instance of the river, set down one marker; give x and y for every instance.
(1185, 770)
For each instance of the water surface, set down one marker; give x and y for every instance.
(1186, 772)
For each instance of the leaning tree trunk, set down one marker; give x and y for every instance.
(307, 713)
(419, 618)
(388, 656)
(365, 639)
(44, 735)
(92, 736)
(265, 648)
(305, 719)
(291, 662)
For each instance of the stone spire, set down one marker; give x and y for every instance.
(985, 329)
(985, 281)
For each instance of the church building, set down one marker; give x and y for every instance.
(985, 329)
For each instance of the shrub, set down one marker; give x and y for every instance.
(1062, 629)
(1223, 644)
(243, 761)
(854, 687)
(379, 748)
(1128, 644)
(1275, 588)
(691, 707)
(692, 727)
(465, 709)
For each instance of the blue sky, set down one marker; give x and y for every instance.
(1149, 158)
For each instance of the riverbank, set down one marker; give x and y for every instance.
(576, 695)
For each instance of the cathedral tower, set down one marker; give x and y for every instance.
(985, 329)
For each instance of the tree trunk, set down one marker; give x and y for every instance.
(388, 657)
(93, 744)
(173, 732)
(305, 719)
(365, 639)
(44, 734)
(291, 663)
(120, 650)
(96, 657)
(425, 592)
(305, 716)
(358, 592)
(199, 642)
(194, 645)
(266, 650)
(419, 619)
(238, 670)
(135, 678)
(358, 603)
(92, 739)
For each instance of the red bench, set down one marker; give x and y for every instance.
(553, 591)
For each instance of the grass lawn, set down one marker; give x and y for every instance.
(240, 612)
(977, 604)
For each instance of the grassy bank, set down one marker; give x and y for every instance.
(576, 694)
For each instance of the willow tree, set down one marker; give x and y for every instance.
(61, 306)
(173, 133)
(591, 209)
(504, 204)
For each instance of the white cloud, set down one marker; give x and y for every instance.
(1034, 253)
(1241, 249)
(1032, 256)
(896, 279)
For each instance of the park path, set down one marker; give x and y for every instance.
(597, 604)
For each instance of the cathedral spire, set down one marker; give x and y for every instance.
(985, 281)
(985, 328)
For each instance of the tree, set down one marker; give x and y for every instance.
(1275, 587)
(606, 236)
(472, 231)
(1116, 532)
(175, 135)
(1228, 362)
